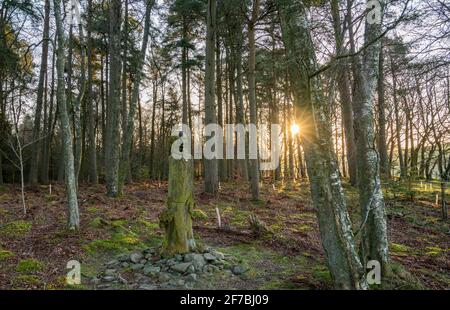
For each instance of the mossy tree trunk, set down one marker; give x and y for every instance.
(176, 219)
(326, 188)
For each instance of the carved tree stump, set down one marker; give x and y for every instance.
(176, 219)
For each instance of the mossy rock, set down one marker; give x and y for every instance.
(15, 229)
(28, 266)
(119, 242)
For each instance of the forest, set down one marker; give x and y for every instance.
(224, 145)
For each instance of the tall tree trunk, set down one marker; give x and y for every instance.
(223, 174)
(242, 168)
(92, 146)
(326, 188)
(211, 164)
(127, 137)
(34, 162)
(382, 144)
(113, 106)
(343, 79)
(254, 163)
(397, 121)
(373, 227)
(70, 178)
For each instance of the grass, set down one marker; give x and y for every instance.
(4, 254)
(16, 229)
(27, 266)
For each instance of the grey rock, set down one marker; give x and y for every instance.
(110, 272)
(147, 287)
(197, 260)
(238, 269)
(181, 268)
(191, 277)
(137, 266)
(143, 261)
(209, 257)
(149, 251)
(191, 269)
(179, 258)
(148, 256)
(170, 262)
(109, 278)
(164, 277)
(152, 270)
(189, 285)
(125, 265)
(123, 257)
(217, 254)
(113, 263)
(136, 257)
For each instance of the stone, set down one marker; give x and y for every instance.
(147, 287)
(191, 269)
(164, 277)
(137, 266)
(179, 258)
(148, 256)
(238, 270)
(181, 268)
(123, 257)
(189, 285)
(136, 257)
(191, 277)
(149, 251)
(209, 257)
(109, 278)
(197, 260)
(95, 280)
(110, 272)
(152, 270)
(113, 263)
(170, 262)
(125, 265)
(217, 254)
(143, 261)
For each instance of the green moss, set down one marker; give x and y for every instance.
(119, 242)
(15, 229)
(29, 266)
(149, 225)
(97, 222)
(399, 248)
(434, 251)
(5, 254)
(92, 209)
(24, 280)
(322, 274)
(198, 214)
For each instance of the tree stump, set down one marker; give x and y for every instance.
(176, 219)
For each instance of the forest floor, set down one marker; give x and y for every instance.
(35, 249)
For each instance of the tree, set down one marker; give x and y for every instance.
(254, 164)
(326, 188)
(211, 165)
(112, 137)
(374, 227)
(69, 168)
(127, 137)
(33, 173)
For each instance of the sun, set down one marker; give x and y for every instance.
(295, 129)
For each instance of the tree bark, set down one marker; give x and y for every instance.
(176, 219)
(374, 227)
(69, 169)
(34, 161)
(254, 163)
(211, 165)
(92, 145)
(326, 188)
(113, 106)
(127, 137)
